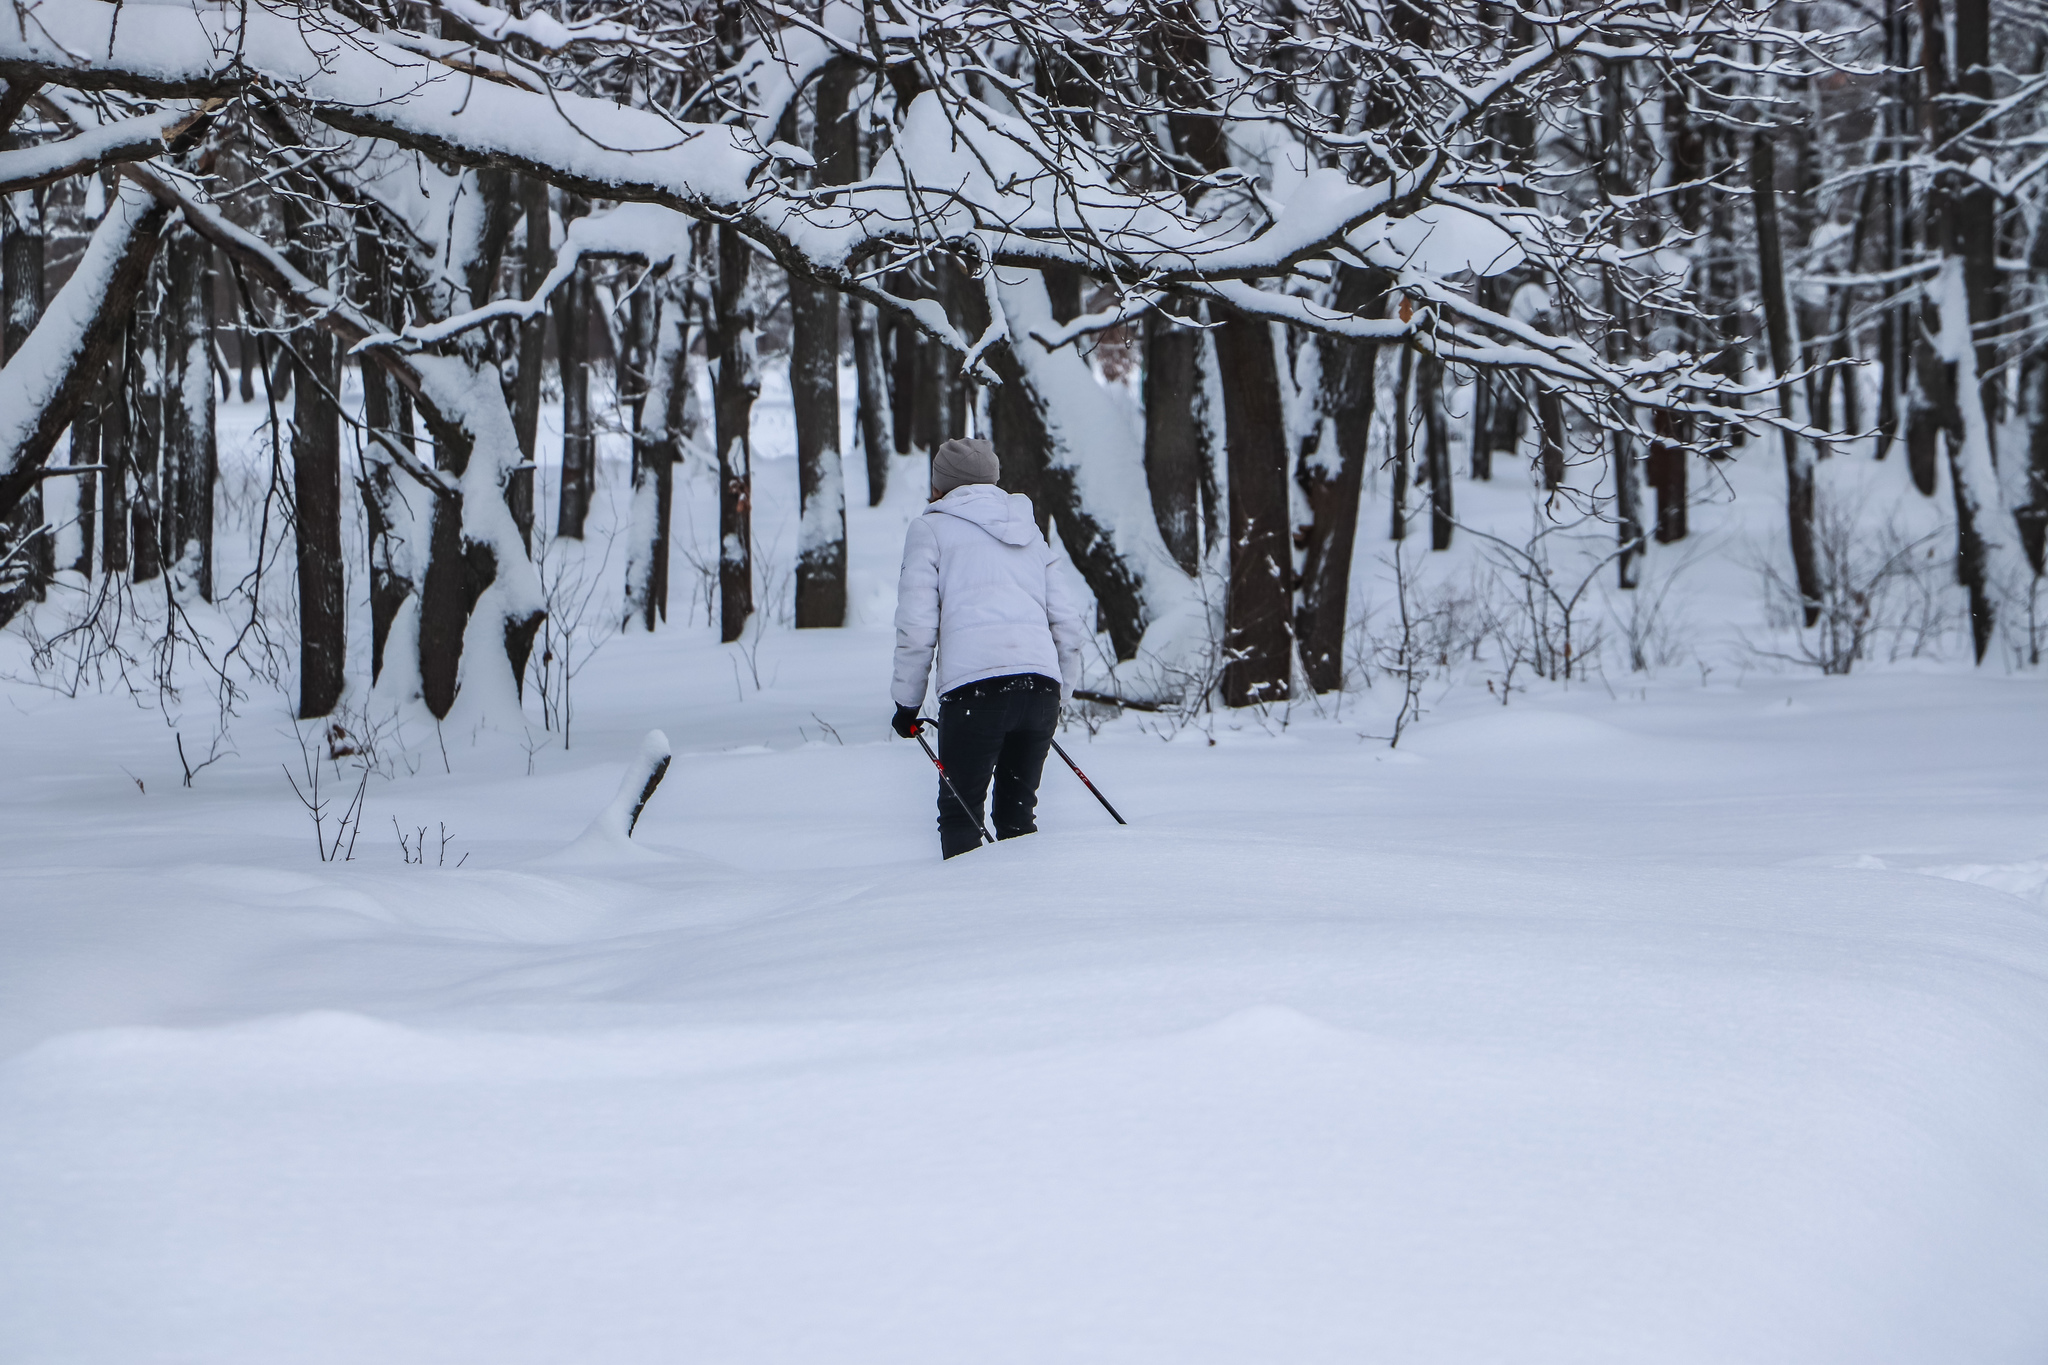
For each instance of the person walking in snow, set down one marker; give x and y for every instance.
(979, 585)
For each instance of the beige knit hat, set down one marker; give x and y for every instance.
(964, 460)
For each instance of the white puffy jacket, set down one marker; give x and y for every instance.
(979, 583)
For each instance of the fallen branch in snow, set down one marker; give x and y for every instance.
(643, 775)
(1109, 699)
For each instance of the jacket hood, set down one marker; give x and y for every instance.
(1006, 516)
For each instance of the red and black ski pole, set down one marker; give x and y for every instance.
(1089, 785)
(972, 813)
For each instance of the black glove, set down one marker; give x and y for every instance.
(906, 722)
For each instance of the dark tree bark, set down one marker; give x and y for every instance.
(536, 258)
(2032, 515)
(1403, 444)
(1174, 436)
(111, 395)
(190, 453)
(1550, 433)
(385, 410)
(737, 386)
(316, 487)
(1893, 339)
(814, 379)
(572, 304)
(1666, 468)
(905, 348)
(145, 430)
(1962, 221)
(23, 542)
(930, 402)
(1258, 634)
(873, 384)
(85, 449)
(1778, 326)
(814, 393)
(1350, 384)
(658, 422)
(1436, 439)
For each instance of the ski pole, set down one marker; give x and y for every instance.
(1089, 785)
(972, 813)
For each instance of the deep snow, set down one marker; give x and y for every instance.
(1696, 1019)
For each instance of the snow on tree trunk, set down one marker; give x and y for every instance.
(1989, 560)
(24, 543)
(736, 384)
(814, 377)
(536, 258)
(1799, 490)
(46, 380)
(146, 428)
(656, 449)
(614, 825)
(190, 450)
(394, 528)
(1089, 459)
(814, 392)
(479, 587)
(111, 393)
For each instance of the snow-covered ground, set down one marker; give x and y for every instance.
(1697, 1017)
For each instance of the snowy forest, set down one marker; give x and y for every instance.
(1559, 494)
(1234, 292)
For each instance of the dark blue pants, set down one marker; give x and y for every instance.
(998, 727)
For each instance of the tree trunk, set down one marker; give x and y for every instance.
(1350, 383)
(1258, 633)
(536, 258)
(814, 393)
(1436, 437)
(1799, 492)
(873, 387)
(929, 402)
(579, 443)
(24, 544)
(111, 392)
(146, 426)
(1961, 218)
(189, 441)
(85, 449)
(906, 345)
(1667, 474)
(1175, 435)
(737, 385)
(1403, 443)
(658, 425)
(1070, 450)
(814, 379)
(385, 507)
(316, 487)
